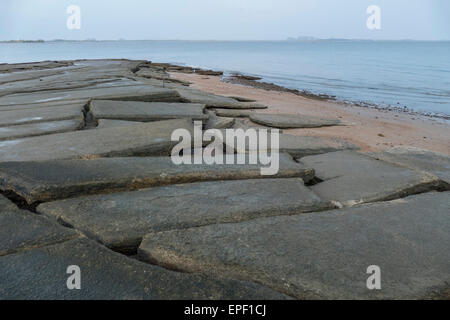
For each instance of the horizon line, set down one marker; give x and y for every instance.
(222, 40)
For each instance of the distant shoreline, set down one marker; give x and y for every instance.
(206, 40)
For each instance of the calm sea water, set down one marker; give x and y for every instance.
(403, 73)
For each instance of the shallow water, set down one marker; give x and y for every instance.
(397, 73)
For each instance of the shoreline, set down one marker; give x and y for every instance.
(255, 82)
(370, 128)
(258, 83)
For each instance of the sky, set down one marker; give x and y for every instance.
(224, 19)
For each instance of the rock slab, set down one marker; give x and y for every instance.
(146, 111)
(143, 139)
(434, 163)
(21, 230)
(215, 101)
(351, 178)
(215, 122)
(26, 116)
(296, 146)
(290, 121)
(105, 123)
(324, 255)
(41, 181)
(40, 129)
(120, 220)
(121, 93)
(41, 274)
(45, 105)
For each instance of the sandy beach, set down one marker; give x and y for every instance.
(369, 128)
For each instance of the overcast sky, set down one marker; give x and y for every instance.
(224, 19)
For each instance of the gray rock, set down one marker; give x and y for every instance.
(20, 67)
(51, 180)
(20, 77)
(161, 75)
(146, 111)
(297, 146)
(44, 105)
(351, 178)
(324, 255)
(106, 123)
(215, 122)
(215, 101)
(6, 204)
(243, 124)
(21, 230)
(124, 93)
(39, 129)
(233, 113)
(153, 73)
(26, 116)
(300, 146)
(69, 81)
(121, 220)
(434, 163)
(82, 74)
(292, 121)
(41, 274)
(143, 139)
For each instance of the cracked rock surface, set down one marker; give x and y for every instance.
(351, 178)
(292, 121)
(41, 274)
(152, 138)
(324, 254)
(146, 111)
(120, 220)
(87, 179)
(42, 181)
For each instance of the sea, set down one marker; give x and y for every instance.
(400, 74)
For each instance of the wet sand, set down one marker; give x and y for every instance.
(369, 128)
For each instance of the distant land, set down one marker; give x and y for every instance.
(21, 41)
(289, 39)
(302, 38)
